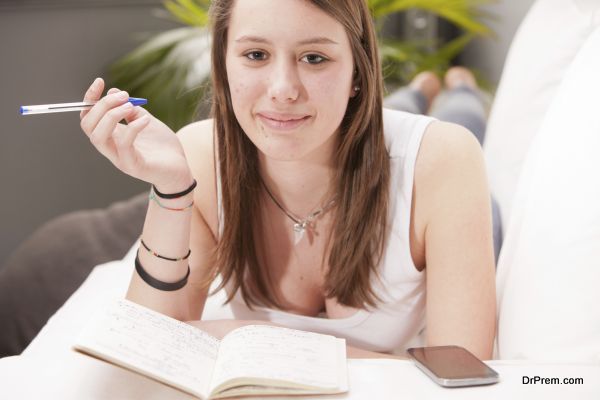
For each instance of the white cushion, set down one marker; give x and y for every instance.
(549, 268)
(542, 49)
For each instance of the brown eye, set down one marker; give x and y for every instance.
(314, 59)
(256, 55)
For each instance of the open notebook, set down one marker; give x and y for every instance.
(251, 360)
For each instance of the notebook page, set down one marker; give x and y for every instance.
(152, 344)
(275, 353)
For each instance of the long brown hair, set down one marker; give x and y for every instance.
(361, 180)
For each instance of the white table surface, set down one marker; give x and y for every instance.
(77, 376)
(49, 368)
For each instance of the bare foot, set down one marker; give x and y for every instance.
(427, 83)
(459, 76)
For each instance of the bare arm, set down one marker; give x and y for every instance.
(173, 232)
(148, 150)
(452, 193)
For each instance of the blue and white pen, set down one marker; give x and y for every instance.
(62, 107)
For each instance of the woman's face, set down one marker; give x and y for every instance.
(290, 71)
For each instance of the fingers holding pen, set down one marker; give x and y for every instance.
(102, 124)
(135, 114)
(108, 127)
(93, 93)
(115, 140)
(95, 114)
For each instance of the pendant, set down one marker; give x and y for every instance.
(299, 229)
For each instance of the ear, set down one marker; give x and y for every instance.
(355, 87)
(354, 90)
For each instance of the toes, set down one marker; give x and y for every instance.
(427, 83)
(459, 76)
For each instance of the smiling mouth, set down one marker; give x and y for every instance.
(287, 124)
(286, 120)
(282, 117)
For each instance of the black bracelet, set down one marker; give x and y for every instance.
(155, 254)
(174, 195)
(155, 283)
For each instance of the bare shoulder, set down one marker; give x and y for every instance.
(198, 144)
(449, 166)
(195, 135)
(446, 145)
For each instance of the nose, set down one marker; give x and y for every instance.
(284, 83)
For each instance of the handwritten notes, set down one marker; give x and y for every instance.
(251, 360)
(280, 354)
(162, 347)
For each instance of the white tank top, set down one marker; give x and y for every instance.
(396, 322)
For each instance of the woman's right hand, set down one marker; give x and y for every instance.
(145, 148)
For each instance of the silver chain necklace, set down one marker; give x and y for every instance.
(300, 224)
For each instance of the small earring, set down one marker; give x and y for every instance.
(356, 88)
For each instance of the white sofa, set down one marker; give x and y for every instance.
(541, 150)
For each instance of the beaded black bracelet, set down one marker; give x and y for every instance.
(155, 254)
(174, 195)
(155, 283)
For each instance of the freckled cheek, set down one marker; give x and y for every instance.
(238, 92)
(244, 90)
(239, 101)
(328, 91)
(329, 83)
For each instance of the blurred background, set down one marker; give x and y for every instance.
(52, 50)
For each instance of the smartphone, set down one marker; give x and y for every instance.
(452, 366)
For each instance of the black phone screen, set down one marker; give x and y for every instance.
(451, 362)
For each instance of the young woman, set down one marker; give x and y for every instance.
(314, 207)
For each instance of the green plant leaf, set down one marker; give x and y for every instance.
(171, 71)
(189, 12)
(464, 13)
